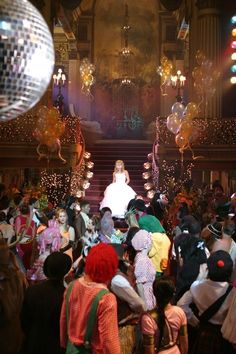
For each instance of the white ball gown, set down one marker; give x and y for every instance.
(117, 196)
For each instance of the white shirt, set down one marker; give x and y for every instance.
(7, 231)
(85, 218)
(122, 288)
(204, 293)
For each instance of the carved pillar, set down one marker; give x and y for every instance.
(208, 28)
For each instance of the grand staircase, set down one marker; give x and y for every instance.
(104, 154)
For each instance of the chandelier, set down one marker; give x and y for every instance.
(126, 56)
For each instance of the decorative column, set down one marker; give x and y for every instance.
(209, 41)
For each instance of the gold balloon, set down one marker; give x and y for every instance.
(191, 110)
(186, 129)
(164, 60)
(200, 57)
(181, 141)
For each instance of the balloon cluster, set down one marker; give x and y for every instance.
(147, 176)
(86, 71)
(205, 76)
(165, 70)
(87, 174)
(48, 130)
(180, 123)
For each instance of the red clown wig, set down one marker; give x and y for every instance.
(101, 263)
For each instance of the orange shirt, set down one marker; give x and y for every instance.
(105, 339)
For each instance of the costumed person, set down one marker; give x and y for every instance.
(144, 270)
(159, 253)
(6, 230)
(12, 288)
(129, 305)
(107, 232)
(118, 194)
(40, 315)
(67, 232)
(211, 233)
(208, 307)
(49, 241)
(164, 329)
(158, 207)
(25, 224)
(79, 325)
(81, 224)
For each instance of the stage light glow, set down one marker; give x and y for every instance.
(233, 56)
(234, 32)
(233, 45)
(233, 80)
(233, 68)
(233, 19)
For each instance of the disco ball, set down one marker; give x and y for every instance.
(26, 57)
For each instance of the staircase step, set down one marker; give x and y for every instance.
(104, 154)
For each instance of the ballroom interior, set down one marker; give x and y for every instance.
(125, 74)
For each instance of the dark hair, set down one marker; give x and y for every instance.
(229, 229)
(104, 210)
(183, 210)
(163, 290)
(220, 266)
(24, 209)
(4, 202)
(123, 267)
(32, 201)
(3, 216)
(83, 203)
(193, 254)
(129, 248)
(131, 232)
(42, 219)
(190, 223)
(17, 199)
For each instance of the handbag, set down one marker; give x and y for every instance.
(85, 348)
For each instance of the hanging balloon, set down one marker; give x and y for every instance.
(191, 110)
(186, 129)
(200, 57)
(164, 60)
(181, 141)
(207, 65)
(26, 46)
(197, 73)
(173, 123)
(178, 108)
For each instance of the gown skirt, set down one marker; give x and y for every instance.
(117, 196)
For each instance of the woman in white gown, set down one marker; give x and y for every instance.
(118, 194)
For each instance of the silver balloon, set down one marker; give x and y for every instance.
(26, 57)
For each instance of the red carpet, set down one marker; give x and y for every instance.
(104, 155)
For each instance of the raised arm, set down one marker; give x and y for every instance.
(127, 177)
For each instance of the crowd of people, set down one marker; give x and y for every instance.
(160, 278)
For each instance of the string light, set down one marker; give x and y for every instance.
(56, 185)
